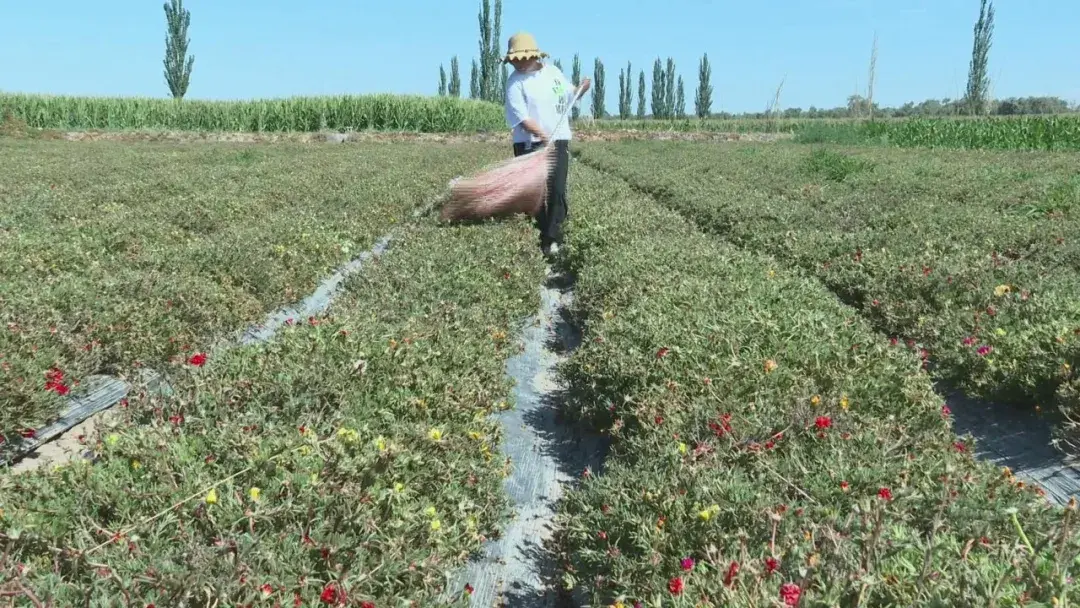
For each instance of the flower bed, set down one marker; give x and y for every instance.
(770, 448)
(969, 259)
(355, 460)
(115, 256)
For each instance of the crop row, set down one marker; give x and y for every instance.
(354, 456)
(969, 259)
(770, 448)
(115, 257)
(1051, 132)
(363, 112)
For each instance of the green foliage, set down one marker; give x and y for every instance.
(641, 95)
(703, 98)
(680, 100)
(575, 77)
(599, 109)
(381, 112)
(442, 81)
(139, 256)
(474, 81)
(945, 252)
(178, 64)
(669, 89)
(454, 87)
(1014, 133)
(978, 86)
(765, 440)
(658, 90)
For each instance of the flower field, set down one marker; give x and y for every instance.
(116, 257)
(771, 449)
(967, 258)
(773, 444)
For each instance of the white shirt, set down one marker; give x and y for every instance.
(543, 96)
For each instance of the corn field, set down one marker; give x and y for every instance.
(1051, 132)
(364, 112)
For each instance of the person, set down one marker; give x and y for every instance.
(537, 94)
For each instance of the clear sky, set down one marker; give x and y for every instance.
(275, 48)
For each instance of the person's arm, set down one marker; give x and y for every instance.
(517, 113)
(584, 86)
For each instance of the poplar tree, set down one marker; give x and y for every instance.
(680, 100)
(641, 95)
(178, 63)
(703, 99)
(442, 81)
(978, 86)
(455, 78)
(598, 89)
(575, 77)
(658, 89)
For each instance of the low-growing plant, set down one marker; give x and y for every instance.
(351, 460)
(770, 448)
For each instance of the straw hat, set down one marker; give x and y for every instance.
(522, 45)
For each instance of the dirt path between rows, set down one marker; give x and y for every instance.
(518, 569)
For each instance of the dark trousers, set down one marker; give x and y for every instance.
(550, 219)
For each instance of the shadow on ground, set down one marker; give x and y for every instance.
(1020, 439)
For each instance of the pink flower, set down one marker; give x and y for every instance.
(675, 585)
(970, 340)
(984, 350)
(885, 494)
(198, 359)
(687, 564)
(823, 422)
(790, 593)
(771, 565)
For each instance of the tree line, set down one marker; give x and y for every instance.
(487, 80)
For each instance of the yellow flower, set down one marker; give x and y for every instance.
(815, 401)
(1000, 331)
(1001, 290)
(707, 514)
(470, 523)
(136, 465)
(682, 448)
(844, 402)
(304, 450)
(430, 511)
(211, 497)
(618, 604)
(772, 273)
(435, 435)
(112, 439)
(436, 525)
(770, 365)
(399, 487)
(380, 444)
(475, 435)
(348, 435)
(255, 494)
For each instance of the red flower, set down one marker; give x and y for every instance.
(367, 604)
(675, 585)
(329, 594)
(789, 594)
(28, 433)
(893, 341)
(602, 535)
(732, 572)
(198, 359)
(970, 340)
(823, 422)
(885, 494)
(658, 420)
(469, 589)
(266, 589)
(945, 411)
(687, 564)
(844, 486)
(177, 419)
(985, 350)
(297, 600)
(771, 565)
(960, 447)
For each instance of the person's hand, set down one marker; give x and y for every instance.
(585, 84)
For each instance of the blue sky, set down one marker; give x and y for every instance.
(274, 48)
